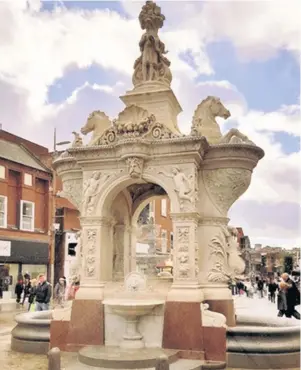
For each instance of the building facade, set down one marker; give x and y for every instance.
(28, 228)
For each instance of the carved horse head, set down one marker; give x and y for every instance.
(97, 122)
(211, 107)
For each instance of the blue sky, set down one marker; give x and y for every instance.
(62, 65)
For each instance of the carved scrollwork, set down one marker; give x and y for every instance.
(225, 185)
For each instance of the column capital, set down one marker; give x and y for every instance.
(213, 221)
(187, 216)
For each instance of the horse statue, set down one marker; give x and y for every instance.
(98, 122)
(235, 137)
(204, 122)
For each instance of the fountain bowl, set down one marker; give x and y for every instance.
(132, 307)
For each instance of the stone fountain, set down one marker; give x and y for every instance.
(203, 174)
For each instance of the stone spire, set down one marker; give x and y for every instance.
(152, 65)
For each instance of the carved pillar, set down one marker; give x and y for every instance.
(120, 239)
(97, 260)
(185, 285)
(132, 232)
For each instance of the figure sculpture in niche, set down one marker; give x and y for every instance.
(182, 185)
(97, 123)
(91, 191)
(78, 141)
(204, 122)
(152, 65)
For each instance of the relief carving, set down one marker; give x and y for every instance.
(225, 185)
(224, 256)
(72, 190)
(90, 261)
(182, 242)
(91, 191)
(135, 167)
(204, 119)
(183, 186)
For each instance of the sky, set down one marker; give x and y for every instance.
(60, 60)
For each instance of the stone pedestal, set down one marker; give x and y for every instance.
(157, 99)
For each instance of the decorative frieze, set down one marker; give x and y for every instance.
(90, 255)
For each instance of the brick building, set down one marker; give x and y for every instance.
(26, 220)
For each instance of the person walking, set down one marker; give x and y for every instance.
(59, 292)
(26, 289)
(43, 294)
(272, 290)
(292, 297)
(260, 288)
(19, 290)
(32, 293)
(281, 299)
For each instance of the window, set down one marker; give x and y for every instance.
(3, 211)
(171, 240)
(27, 179)
(163, 207)
(27, 216)
(2, 172)
(163, 241)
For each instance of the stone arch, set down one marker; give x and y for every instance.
(141, 205)
(121, 182)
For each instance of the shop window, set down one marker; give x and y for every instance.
(27, 216)
(3, 211)
(2, 172)
(27, 179)
(163, 207)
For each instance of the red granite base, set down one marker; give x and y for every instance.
(183, 326)
(86, 324)
(225, 307)
(58, 334)
(215, 343)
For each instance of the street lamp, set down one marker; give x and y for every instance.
(53, 211)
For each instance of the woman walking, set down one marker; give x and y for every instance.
(60, 291)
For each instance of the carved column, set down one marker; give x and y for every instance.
(118, 259)
(185, 285)
(97, 260)
(131, 263)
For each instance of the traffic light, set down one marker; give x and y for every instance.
(71, 249)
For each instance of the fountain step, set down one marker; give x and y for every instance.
(180, 364)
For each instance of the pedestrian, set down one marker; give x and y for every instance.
(43, 294)
(26, 289)
(59, 292)
(19, 290)
(272, 290)
(32, 293)
(260, 288)
(248, 288)
(292, 297)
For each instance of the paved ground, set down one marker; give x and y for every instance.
(16, 361)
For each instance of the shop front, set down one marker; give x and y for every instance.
(20, 257)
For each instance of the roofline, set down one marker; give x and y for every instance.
(36, 158)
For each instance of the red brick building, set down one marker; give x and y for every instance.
(26, 219)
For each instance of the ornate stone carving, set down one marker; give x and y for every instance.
(78, 141)
(90, 260)
(184, 186)
(152, 65)
(224, 256)
(97, 123)
(91, 191)
(182, 242)
(211, 318)
(72, 190)
(196, 253)
(135, 282)
(135, 166)
(204, 122)
(226, 185)
(234, 136)
(134, 122)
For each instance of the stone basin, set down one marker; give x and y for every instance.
(131, 310)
